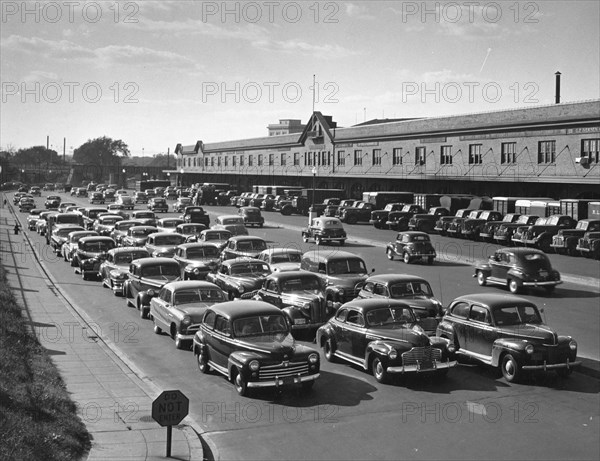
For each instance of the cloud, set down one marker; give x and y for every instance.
(62, 49)
(134, 55)
(297, 46)
(358, 11)
(40, 76)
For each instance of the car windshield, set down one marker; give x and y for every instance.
(142, 232)
(346, 266)
(127, 257)
(166, 270)
(98, 247)
(260, 325)
(208, 251)
(192, 229)
(301, 284)
(250, 268)
(144, 215)
(420, 238)
(233, 221)
(67, 231)
(169, 240)
(198, 295)
(110, 220)
(76, 237)
(252, 245)
(286, 258)
(403, 290)
(217, 236)
(390, 316)
(516, 315)
(171, 223)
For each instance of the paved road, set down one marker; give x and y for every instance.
(349, 415)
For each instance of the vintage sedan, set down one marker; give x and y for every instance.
(243, 246)
(411, 245)
(589, 245)
(91, 251)
(565, 241)
(190, 230)
(281, 259)
(69, 248)
(145, 278)
(158, 205)
(506, 332)
(33, 217)
(383, 336)
(64, 205)
(218, 238)
(518, 268)
(179, 307)
(105, 224)
(52, 201)
(197, 260)
(114, 269)
(231, 223)
(137, 235)
(60, 235)
(121, 228)
(181, 203)
(140, 197)
(324, 230)
(168, 224)
(250, 342)
(36, 191)
(126, 201)
(301, 296)
(238, 276)
(251, 216)
(26, 204)
(41, 225)
(504, 232)
(409, 288)
(195, 214)
(163, 243)
(148, 218)
(96, 197)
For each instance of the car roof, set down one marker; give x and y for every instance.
(281, 251)
(96, 238)
(280, 276)
(128, 250)
(329, 254)
(366, 305)
(142, 227)
(196, 245)
(165, 234)
(391, 278)
(413, 233)
(153, 261)
(493, 299)
(521, 251)
(244, 308)
(183, 284)
(244, 260)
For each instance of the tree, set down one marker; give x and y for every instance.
(100, 151)
(36, 155)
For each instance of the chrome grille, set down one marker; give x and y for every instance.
(280, 370)
(421, 355)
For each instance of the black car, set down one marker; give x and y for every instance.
(238, 276)
(411, 245)
(250, 343)
(518, 268)
(383, 336)
(90, 253)
(197, 259)
(243, 246)
(507, 332)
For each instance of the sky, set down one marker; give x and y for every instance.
(157, 73)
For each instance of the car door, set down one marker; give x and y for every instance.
(159, 307)
(500, 265)
(459, 315)
(270, 293)
(220, 343)
(479, 332)
(356, 334)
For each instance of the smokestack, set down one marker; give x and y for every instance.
(557, 92)
(64, 149)
(47, 142)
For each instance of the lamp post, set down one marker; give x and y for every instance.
(181, 172)
(124, 179)
(311, 212)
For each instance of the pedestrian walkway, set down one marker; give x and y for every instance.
(114, 403)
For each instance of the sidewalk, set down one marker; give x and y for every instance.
(113, 402)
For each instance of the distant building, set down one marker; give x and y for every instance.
(286, 126)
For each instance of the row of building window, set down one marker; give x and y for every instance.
(590, 149)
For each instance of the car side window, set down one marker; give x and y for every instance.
(379, 290)
(272, 285)
(355, 318)
(369, 287)
(461, 309)
(341, 315)
(209, 319)
(222, 325)
(479, 314)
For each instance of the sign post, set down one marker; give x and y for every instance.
(169, 409)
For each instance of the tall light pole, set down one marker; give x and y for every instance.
(311, 211)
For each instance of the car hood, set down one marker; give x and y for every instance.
(537, 332)
(249, 280)
(284, 267)
(402, 333)
(302, 296)
(276, 345)
(571, 232)
(194, 310)
(191, 264)
(420, 303)
(346, 280)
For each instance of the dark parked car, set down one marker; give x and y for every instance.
(341, 271)
(163, 244)
(60, 235)
(179, 307)
(443, 222)
(506, 332)
(137, 236)
(91, 251)
(471, 227)
(565, 241)
(426, 222)
(541, 236)
(250, 343)
(251, 216)
(238, 276)
(96, 197)
(69, 248)
(121, 228)
(518, 268)
(489, 228)
(411, 245)
(148, 218)
(413, 290)
(504, 232)
(383, 336)
(398, 220)
(197, 260)
(589, 245)
(301, 295)
(52, 201)
(114, 269)
(324, 230)
(158, 205)
(379, 218)
(195, 214)
(243, 246)
(145, 279)
(140, 197)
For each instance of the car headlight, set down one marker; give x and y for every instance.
(529, 349)
(313, 358)
(187, 320)
(241, 289)
(305, 306)
(254, 365)
(393, 354)
(573, 345)
(451, 348)
(418, 329)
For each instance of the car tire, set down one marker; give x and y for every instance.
(481, 279)
(430, 260)
(510, 368)
(179, 344)
(318, 240)
(203, 365)
(513, 286)
(406, 258)
(241, 386)
(329, 350)
(390, 254)
(157, 330)
(342, 242)
(83, 274)
(379, 371)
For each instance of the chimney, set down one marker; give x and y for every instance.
(557, 92)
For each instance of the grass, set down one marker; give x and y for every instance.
(38, 420)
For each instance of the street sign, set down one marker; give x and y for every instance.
(170, 407)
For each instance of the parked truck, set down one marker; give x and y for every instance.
(309, 197)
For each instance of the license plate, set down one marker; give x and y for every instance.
(288, 380)
(543, 273)
(425, 365)
(300, 321)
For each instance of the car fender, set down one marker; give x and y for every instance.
(292, 313)
(484, 267)
(146, 296)
(515, 274)
(514, 346)
(323, 332)
(381, 349)
(240, 359)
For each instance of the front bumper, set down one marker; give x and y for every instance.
(277, 382)
(419, 369)
(553, 366)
